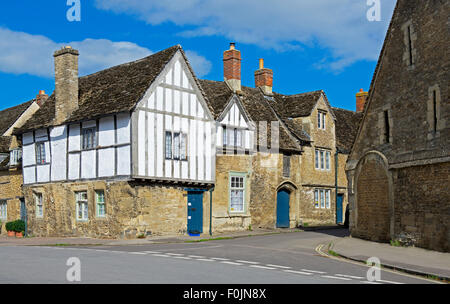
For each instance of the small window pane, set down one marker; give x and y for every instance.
(322, 161)
(317, 159)
(168, 145)
(89, 140)
(322, 199)
(176, 146)
(328, 160)
(328, 192)
(316, 198)
(3, 210)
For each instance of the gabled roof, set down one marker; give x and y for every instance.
(299, 105)
(347, 124)
(9, 116)
(114, 90)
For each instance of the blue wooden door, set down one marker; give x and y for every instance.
(195, 213)
(339, 210)
(283, 209)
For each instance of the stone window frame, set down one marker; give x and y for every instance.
(382, 125)
(286, 165)
(3, 210)
(321, 120)
(409, 39)
(85, 202)
(97, 203)
(242, 175)
(318, 159)
(318, 198)
(434, 118)
(39, 204)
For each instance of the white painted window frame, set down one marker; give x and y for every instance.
(321, 120)
(322, 198)
(85, 206)
(231, 189)
(3, 209)
(322, 159)
(41, 154)
(98, 203)
(39, 202)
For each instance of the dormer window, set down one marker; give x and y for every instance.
(232, 137)
(321, 119)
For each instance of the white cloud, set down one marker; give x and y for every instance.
(339, 26)
(22, 53)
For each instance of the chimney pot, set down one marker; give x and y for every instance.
(232, 68)
(264, 78)
(361, 98)
(41, 98)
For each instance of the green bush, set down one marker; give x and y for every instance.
(19, 226)
(10, 226)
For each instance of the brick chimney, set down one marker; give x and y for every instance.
(41, 98)
(232, 68)
(361, 98)
(66, 83)
(264, 78)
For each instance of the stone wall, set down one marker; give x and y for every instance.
(132, 209)
(11, 190)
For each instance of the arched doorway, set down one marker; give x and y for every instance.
(283, 199)
(373, 215)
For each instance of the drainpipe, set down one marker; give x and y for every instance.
(336, 166)
(210, 210)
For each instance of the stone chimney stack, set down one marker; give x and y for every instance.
(66, 83)
(232, 68)
(361, 98)
(264, 78)
(41, 98)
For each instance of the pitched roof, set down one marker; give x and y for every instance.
(9, 116)
(298, 105)
(114, 90)
(5, 142)
(347, 124)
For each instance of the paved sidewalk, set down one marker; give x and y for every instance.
(410, 259)
(72, 241)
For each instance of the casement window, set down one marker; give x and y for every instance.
(176, 146)
(40, 153)
(39, 201)
(321, 119)
(237, 193)
(15, 157)
(232, 137)
(89, 138)
(81, 206)
(100, 202)
(322, 198)
(3, 210)
(322, 160)
(286, 165)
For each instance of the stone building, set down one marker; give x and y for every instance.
(399, 169)
(11, 180)
(146, 148)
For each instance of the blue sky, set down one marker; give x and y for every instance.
(310, 45)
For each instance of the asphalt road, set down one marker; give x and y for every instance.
(287, 258)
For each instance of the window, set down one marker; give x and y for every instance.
(15, 157)
(323, 160)
(387, 127)
(89, 138)
(38, 198)
(435, 117)
(410, 57)
(81, 206)
(321, 118)
(237, 190)
(322, 198)
(176, 146)
(3, 210)
(286, 165)
(100, 201)
(232, 137)
(40, 153)
(410, 36)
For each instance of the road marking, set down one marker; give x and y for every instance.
(349, 276)
(174, 254)
(391, 282)
(336, 278)
(298, 272)
(278, 266)
(262, 267)
(314, 271)
(246, 262)
(181, 257)
(152, 251)
(141, 253)
(196, 256)
(162, 255)
(220, 259)
(205, 260)
(232, 263)
(369, 282)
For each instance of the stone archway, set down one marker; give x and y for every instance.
(373, 198)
